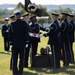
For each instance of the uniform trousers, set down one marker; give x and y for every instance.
(6, 44)
(26, 56)
(65, 53)
(11, 59)
(55, 55)
(71, 53)
(17, 69)
(34, 47)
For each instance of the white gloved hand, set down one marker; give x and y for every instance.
(7, 30)
(31, 34)
(26, 45)
(41, 35)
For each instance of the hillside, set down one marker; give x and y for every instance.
(53, 7)
(6, 6)
(49, 7)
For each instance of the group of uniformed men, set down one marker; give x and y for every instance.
(24, 34)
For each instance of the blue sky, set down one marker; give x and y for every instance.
(56, 2)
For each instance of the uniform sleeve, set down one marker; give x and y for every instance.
(63, 27)
(26, 31)
(74, 26)
(53, 28)
(2, 30)
(10, 33)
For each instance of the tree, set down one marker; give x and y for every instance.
(0, 13)
(44, 13)
(44, 10)
(20, 6)
(60, 10)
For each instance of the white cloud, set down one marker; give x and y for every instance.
(39, 1)
(54, 1)
(11, 1)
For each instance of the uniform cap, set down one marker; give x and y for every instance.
(71, 15)
(55, 14)
(64, 13)
(25, 15)
(6, 19)
(17, 12)
(33, 17)
(12, 16)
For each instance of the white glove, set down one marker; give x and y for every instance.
(26, 45)
(41, 35)
(7, 30)
(31, 34)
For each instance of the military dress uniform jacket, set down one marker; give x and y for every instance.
(54, 35)
(71, 31)
(29, 31)
(19, 33)
(35, 28)
(64, 31)
(5, 31)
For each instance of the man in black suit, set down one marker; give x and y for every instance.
(35, 39)
(20, 41)
(54, 40)
(71, 35)
(65, 38)
(5, 34)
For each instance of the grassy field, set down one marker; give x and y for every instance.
(5, 63)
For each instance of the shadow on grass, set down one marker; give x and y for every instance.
(29, 73)
(64, 70)
(8, 53)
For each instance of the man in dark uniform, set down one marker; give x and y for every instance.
(26, 19)
(71, 35)
(5, 34)
(35, 29)
(20, 39)
(13, 18)
(54, 40)
(65, 39)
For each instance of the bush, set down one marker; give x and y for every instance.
(1, 20)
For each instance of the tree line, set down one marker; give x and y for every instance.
(44, 12)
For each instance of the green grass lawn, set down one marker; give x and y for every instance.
(5, 63)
